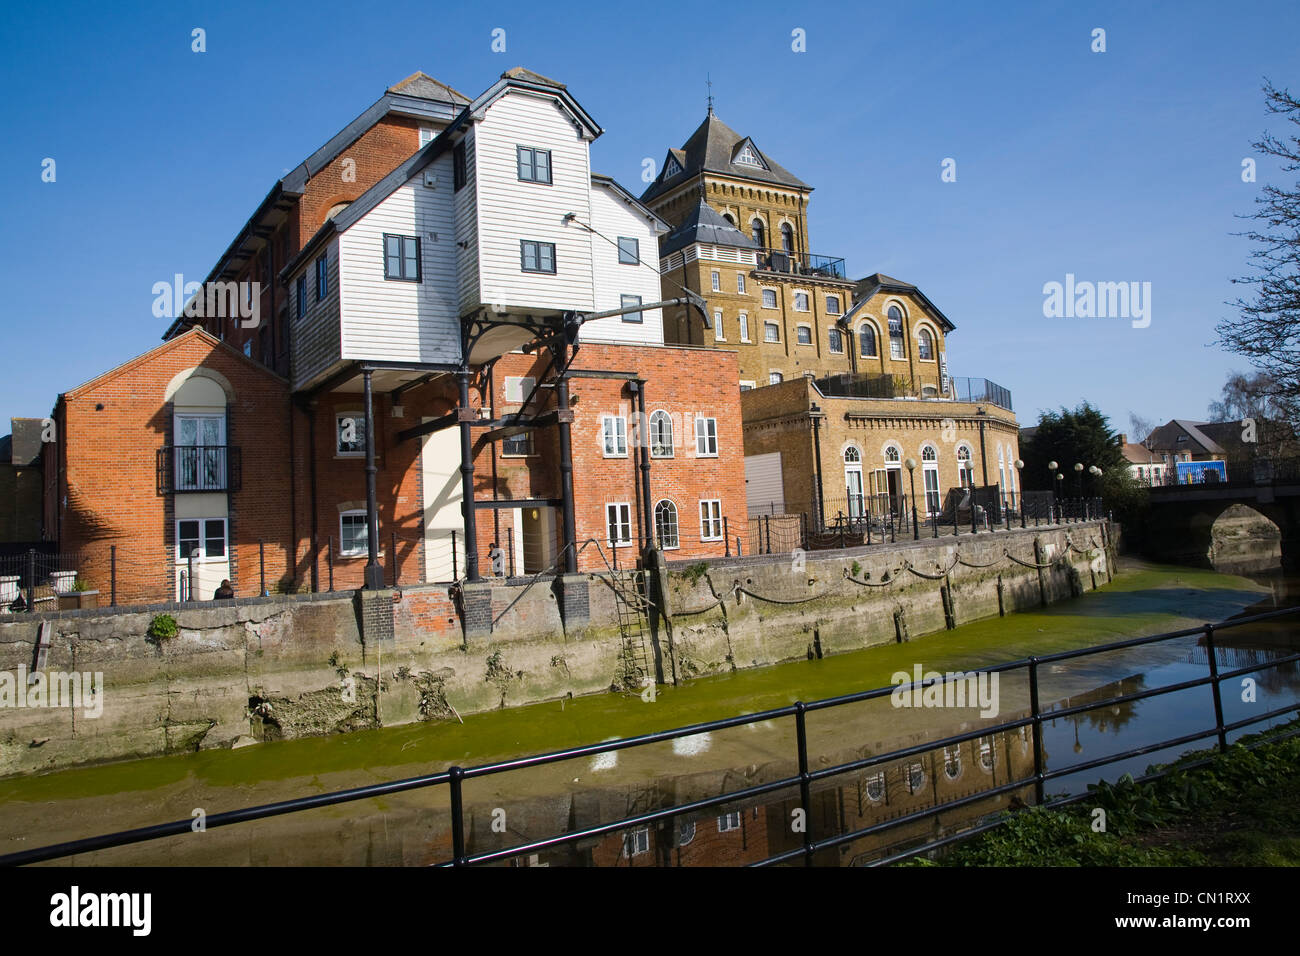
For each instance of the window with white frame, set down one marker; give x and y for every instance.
(629, 251)
(925, 346)
(874, 786)
(518, 387)
(832, 305)
(351, 434)
(426, 135)
(613, 429)
(896, 349)
(711, 520)
(353, 534)
(746, 386)
(717, 281)
(729, 821)
(986, 752)
(706, 437)
(666, 524)
(618, 523)
(775, 378)
(636, 842)
(801, 301)
(771, 332)
(769, 298)
(740, 282)
(744, 326)
(661, 435)
(718, 335)
(205, 535)
(803, 335)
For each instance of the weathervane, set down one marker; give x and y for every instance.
(709, 82)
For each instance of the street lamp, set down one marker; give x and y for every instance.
(1020, 467)
(1078, 477)
(1060, 477)
(1051, 470)
(911, 477)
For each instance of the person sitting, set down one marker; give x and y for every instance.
(224, 593)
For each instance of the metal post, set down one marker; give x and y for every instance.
(1218, 697)
(455, 572)
(1006, 513)
(31, 578)
(1022, 510)
(374, 573)
(566, 446)
(457, 817)
(510, 549)
(769, 533)
(911, 477)
(468, 515)
(726, 536)
(193, 556)
(805, 788)
(972, 509)
(112, 575)
(1038, 729)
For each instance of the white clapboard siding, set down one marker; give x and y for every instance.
(467, 230)
(613, 218)
(764, 489)
(395, 319)
(316, 332)
(510, 210)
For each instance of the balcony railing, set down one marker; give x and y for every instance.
(865, 385)
(981, 390)
(801, 264)
(187, 468)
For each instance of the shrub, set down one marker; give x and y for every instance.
(162, 628)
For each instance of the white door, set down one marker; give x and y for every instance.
(443, 521)
(764, 485)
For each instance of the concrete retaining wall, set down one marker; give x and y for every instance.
(249, 670)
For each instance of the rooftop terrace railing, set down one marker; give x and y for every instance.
(454, 777)
(981, 390)
(801, 264)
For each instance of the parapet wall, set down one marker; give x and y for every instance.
(249, 670)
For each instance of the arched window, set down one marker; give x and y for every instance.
(727, 216)
(925, 346)
(661, 435)
(896, 332)
(963, 466)
(758, 233)
(867, 341)
(929, 454)
(852, 456)
(952, 762)
(787, 237)
(891, 453)
(666, 524)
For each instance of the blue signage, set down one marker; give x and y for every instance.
(1200, 472)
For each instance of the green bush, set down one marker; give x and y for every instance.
(162, 628)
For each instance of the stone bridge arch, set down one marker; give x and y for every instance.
(1239, 534)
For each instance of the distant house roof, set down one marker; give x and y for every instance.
(704, 224)
(1278, 436)
(1027, 434)
(715, 147)
(1181, 435)
(1136, 454)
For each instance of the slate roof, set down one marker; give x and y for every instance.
(1165, 438)
(711, 149)
(704, 224)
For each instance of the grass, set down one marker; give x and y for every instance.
(1241, 809)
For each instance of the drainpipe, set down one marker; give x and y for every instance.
(374, 573)
(467, 477)
(311, 459)
(566, 448)
(637, 388)
(984, 459)
(816, 416)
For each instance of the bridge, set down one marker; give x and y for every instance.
(1240, 524)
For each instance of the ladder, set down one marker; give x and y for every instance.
(632, 625)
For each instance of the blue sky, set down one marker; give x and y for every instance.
(1115, 166)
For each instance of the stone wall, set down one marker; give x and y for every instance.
(292, 666)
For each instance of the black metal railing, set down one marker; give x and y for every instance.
(801, 264)
(865, 385)
(455, 777)
(980, 390)
(184, 468)
(35, 580)
(1237, 472)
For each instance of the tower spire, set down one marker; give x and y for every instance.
(709, 81)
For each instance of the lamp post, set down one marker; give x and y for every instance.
(911, 477)
(1020, 483)
(1078, 478)
(1060, 477)
(1051, 470)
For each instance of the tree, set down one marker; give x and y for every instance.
(1267, 329)
(1257, 397)
(1139, 427)
(1068, 437)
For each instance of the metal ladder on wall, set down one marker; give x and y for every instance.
(631, 606)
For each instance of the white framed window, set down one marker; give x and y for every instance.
(618, 523)
(986, 753)
(801, 301)
(775, 378)
(729, 821)
(613, 430)
(518, 387)
(205, 535)
(915, 777)
(718, 335)
(666, 524)
(711, 520)
(426, 135)
(745, 386)
(769, 298)
(874, 786)
(685, 832)
(740, 282)
(353, 534)
(896, 349)
(925, 346)
(744, 326)
(636, 842)
(200, 453)
(706, 437)
(350, 433)
(832, 305)
(717, 281)
(771, 332)
(661, 435)
(952, 762)
(803, 335)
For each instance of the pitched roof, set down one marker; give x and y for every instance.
(1139, 454)
(427, 88)
(879, 282)
(1166, 438)
(520, 73)
(713, 148)
(704, 224)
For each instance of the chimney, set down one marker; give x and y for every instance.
(1123, 439)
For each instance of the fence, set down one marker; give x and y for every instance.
(454, 777)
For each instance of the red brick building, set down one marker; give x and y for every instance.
(449, 374)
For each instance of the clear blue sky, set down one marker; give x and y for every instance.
(1115, 166)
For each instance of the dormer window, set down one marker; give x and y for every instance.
(672, 169)
(748, 156)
